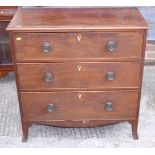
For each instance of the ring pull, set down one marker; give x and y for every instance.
(110, 76)
(48, 77)
(111, 46)
(50, 107)
(109, 106)
(46, 47)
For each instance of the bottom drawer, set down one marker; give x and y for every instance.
(79, 105)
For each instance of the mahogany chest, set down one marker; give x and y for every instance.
(78, 67)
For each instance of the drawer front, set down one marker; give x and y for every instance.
(48, 76)
(97, 105)
(92, 45)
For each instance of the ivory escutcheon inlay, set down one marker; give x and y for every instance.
(79, 38)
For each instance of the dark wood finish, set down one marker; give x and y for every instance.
(79, 105)
(77, 123)
(67, 75)
(73, 19)
(7, 12)
(66, 46)
(5, 68)
(78, 93)
(6, 65)
(25, 128)
(134, 126)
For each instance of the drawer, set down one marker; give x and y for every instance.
(70, 46)
(79, 105)
(82, 75)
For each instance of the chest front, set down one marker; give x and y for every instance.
(81, 69)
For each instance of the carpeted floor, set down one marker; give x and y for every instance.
(118, 135)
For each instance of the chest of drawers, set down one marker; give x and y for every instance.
(78, 67)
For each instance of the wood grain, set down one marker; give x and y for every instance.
(68, 106)
(66, 46)
(72, 19)
(67, 75)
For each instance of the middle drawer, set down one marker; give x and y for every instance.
(81, 75)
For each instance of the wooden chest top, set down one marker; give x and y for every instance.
(71, 19)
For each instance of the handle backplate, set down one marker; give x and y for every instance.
(109, 106)
(46, 47)
(111, 46)
(50, 107)
(48, 77)
(110, 76)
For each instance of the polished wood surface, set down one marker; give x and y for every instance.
(78, 62)
(7, 12)
(66, 46)
(90, 105)
(71, 19)
(68, 76)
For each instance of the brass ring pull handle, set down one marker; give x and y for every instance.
(46, 47)
(110, 76)
(111, 46)
(48, 77)
(50, 107)
(109, 106)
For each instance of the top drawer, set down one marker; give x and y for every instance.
(78, 46)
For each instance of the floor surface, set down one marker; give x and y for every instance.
(118, 135)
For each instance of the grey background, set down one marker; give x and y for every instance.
(149, 15)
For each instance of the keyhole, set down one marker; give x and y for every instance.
(79, 68)
(79, 38)
(79, 95)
